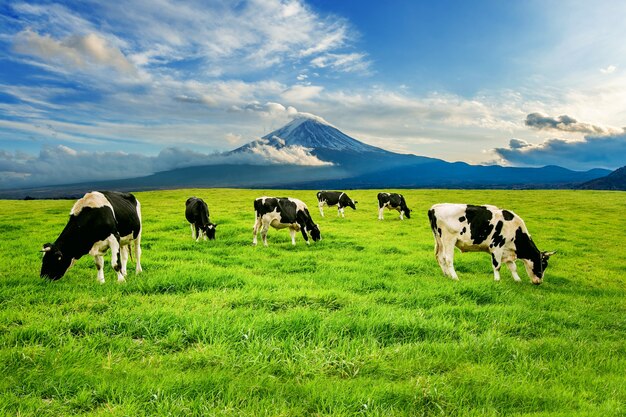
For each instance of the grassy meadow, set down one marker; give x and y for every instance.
(361, 323)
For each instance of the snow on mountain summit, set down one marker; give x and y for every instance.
(313, 132)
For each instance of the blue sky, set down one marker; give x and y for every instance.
(159, 84)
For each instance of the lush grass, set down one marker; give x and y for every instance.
(361, 323)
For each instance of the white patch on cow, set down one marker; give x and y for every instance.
(93, 200)
(299, 204)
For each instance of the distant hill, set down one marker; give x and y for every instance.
(340, 162)
(616, 180)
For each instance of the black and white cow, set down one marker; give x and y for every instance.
(335, 198)
(501, 233)
(392, 201)
(197, 214)
(281, 213)
(98, 221)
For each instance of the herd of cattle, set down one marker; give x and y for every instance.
(111, 220)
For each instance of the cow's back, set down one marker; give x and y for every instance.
(197, 211)
(126, 209)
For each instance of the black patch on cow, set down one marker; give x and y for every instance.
(433, 222)
(478, 218)
(125, 209)
(462, 219)
(525, 248)
(508, 216)
(495, 262)
(497, 240)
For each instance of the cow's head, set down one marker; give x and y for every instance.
(315, 233)
(54, 264)
(209, 230)
(406, 210)
(352, 204)
(536, 268)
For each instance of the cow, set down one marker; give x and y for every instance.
(98, 221)
(393, 201)
(501, 233)
(280, 213)
(335, 198)
(197, 214)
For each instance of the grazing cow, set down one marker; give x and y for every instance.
(197, 214)
(501, 233)
(283, 213)
(335, 198)
(393, 201)
(98, 221)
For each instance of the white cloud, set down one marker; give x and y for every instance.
(74, 52)
(608, 70)
(301, 93)
(344, 62)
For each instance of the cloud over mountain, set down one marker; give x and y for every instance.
(63, 165)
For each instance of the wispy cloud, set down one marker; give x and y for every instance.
(566, 123)
(78, 52)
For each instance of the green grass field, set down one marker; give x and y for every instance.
(361, 323)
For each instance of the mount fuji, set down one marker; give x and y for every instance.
(325, 144)
(310, 153)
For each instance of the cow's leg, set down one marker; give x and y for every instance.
(292, 232)
(264, 230)
(114, 244)
(340, 212)
(321, 206)
(124, 252)
(448, 257)
(138, 254)
(255, 230)
(401, 214)
(380, 213)
(496, 262)
(99, 260)
(439, 255)
(204, 234)
(193, 230)
(513, 268)
(198, 232)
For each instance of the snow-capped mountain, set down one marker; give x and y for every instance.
(313, 133)
(316, 133)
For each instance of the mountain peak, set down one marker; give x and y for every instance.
(310, 131)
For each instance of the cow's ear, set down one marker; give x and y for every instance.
(548, 254)
(355, 201)
(46, 247)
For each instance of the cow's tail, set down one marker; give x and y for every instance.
(433, 226)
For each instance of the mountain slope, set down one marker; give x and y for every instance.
(314, 133)
(616, 180)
